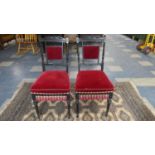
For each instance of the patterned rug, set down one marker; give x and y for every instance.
(126, 105)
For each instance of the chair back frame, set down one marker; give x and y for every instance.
(63, 42)
(100, 41)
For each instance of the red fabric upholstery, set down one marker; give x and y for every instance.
(90, 52)
(51, 82)
(54, 52)
(93, 97)
(93, 81)
(50, 98)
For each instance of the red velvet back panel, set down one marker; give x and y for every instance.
(90, 52)
(54, 52)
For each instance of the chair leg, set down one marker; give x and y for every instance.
(77, 105)
(36, 105)
(108, 103)
(37, 110)
(18, 50)
(33, 50)
(68, 102)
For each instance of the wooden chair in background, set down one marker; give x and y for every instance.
(26, 42)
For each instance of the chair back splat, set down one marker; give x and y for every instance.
(91, 48)
(54, 51)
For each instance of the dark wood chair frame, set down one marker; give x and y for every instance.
(80, 42)
(42, 44)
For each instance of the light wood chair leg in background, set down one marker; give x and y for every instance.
(18, 50)
(33, 49)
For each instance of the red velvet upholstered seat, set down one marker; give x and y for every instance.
(51, 82)
(93, 81)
